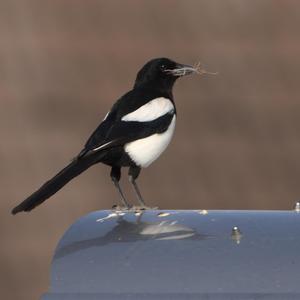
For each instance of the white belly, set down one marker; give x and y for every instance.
(145, 151)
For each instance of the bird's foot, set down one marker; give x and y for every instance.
(132, 208)
(122, 208)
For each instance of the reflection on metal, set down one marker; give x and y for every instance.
(297, 207)
(156, 254)
(132, 231)
(236, 234)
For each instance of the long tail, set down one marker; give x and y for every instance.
(53, 185)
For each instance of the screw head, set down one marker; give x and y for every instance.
(236, 234)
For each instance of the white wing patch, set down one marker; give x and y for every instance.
(151, 110)
(145, 151)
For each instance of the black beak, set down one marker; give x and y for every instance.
(182, 70)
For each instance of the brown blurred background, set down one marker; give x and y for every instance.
(62, 65)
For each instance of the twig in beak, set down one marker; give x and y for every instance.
(202, 71)
(182, 71)
(186, 70)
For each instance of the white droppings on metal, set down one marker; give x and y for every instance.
(163, 214)
(202, 212)
(110, 216)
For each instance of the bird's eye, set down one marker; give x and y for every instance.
(162, 67)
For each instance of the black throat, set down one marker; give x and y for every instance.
(157, 83)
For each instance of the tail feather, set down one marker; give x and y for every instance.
(53, 185)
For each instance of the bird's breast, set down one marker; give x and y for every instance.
(146, 150)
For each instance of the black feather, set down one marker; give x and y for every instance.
(53, 185)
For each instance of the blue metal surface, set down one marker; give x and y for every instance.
(179, 255)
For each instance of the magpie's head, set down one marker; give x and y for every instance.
(162, 73)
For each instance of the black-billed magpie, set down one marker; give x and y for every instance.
(133, 134)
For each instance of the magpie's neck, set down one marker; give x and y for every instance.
(163, 86)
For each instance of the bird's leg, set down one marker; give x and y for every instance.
(133, 175)
(115, 175)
